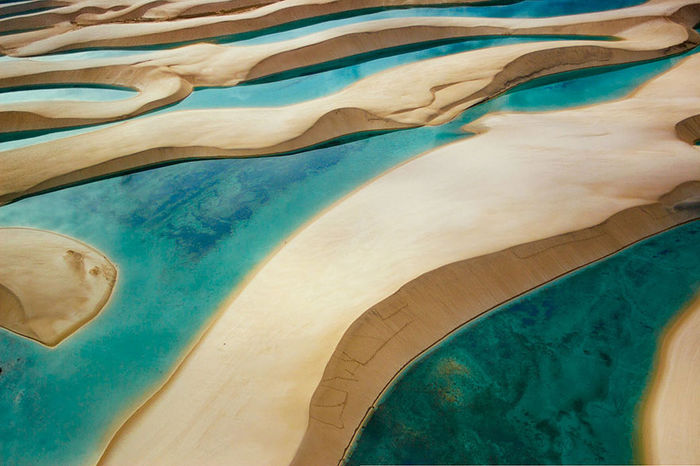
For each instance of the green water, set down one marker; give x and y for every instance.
(183, 237)
(554, 377)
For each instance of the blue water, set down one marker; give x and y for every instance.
(65, 92)
(183, 236)
(554, 377)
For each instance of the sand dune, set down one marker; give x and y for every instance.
(242, 395)
(50, 285)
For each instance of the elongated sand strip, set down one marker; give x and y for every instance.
(50, 284)
(671, 411)
(242, 395)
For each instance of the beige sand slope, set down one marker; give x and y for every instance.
(242, 395)
(392, 333)
(429, 92)
(50, 284)
(671, 411)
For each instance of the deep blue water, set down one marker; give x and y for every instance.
(183, 236)
(554, 377)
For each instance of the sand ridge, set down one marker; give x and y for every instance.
(50, 284)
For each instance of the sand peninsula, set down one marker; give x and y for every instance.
(567, 170)
(670, 423)
(389, 100)
(50, 284)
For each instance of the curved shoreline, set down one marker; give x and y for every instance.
(669, 410)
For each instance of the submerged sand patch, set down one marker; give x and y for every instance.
(50, 284)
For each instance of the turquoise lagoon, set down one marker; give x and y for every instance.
(183, 236)
(554, 377)
(65, 92)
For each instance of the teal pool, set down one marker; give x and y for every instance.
(554, 377)
(95, 93)
(183, 236)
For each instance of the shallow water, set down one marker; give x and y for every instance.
(65, 92)
(183, 236)
(554, 377)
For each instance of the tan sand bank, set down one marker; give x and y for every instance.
(242, 395)
(671, 410)
(429, 92)
(156, 87)
(391, 334)
(50, 284)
